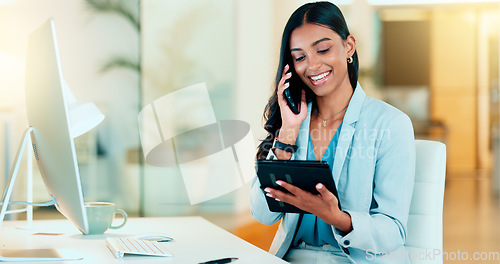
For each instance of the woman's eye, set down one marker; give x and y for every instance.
(324, 50)
(301, 58)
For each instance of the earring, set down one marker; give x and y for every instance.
(349, 60)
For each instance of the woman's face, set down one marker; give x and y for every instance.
(319, 56)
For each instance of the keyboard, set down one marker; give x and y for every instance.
(121, 246)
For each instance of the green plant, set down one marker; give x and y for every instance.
(130, 11)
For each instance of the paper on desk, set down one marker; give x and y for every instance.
(41, 254)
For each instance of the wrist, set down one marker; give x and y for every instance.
(282, 155)
(342, 221)
(291, 148)
(287, 135)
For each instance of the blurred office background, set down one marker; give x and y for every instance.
(436, 60)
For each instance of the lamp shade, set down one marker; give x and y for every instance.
(83, 116)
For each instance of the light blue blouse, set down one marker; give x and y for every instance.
(313, 230)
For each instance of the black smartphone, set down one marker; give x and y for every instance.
(288, 97)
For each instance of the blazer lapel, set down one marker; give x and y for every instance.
(347, 131)
(343, 146)
(303, 137)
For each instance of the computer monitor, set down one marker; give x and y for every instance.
(48, 109)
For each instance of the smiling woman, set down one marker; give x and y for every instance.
(374, 175)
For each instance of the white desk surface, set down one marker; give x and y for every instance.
(195, 240)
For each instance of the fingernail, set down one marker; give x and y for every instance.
(277, 199)
(287, 84)
(267, 189)
(279, 183)
(289, 73)
(319, 186)
(269, 195)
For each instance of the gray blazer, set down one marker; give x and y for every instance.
(373, 169)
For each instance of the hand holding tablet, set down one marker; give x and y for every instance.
(302, 174)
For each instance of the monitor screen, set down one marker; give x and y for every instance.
(48, 115)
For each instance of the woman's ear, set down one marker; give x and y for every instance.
(350, 46)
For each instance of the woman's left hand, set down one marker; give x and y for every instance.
(324, 205)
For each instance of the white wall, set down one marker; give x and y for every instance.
(255, 70)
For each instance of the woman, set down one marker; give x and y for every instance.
(368, 144)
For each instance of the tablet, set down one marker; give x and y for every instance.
(303, 174)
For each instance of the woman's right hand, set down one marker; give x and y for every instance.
(290, 122)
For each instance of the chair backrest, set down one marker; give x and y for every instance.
(424, 240)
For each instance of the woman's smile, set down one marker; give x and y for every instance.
(320, 78)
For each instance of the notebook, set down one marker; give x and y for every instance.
(41, 254)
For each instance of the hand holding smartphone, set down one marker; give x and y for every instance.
(291, 115)
(288, 96)
(289, 100)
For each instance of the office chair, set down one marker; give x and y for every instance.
(424, 240)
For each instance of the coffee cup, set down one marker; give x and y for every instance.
(100, 217)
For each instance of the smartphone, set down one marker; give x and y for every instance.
(288, 97)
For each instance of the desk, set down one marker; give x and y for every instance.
(195, 240)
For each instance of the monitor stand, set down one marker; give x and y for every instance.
(29, 184)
